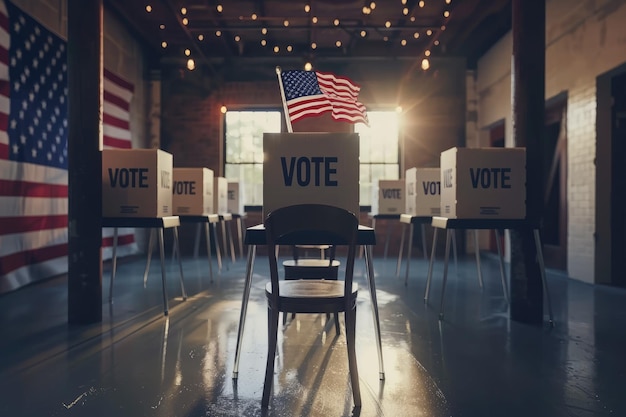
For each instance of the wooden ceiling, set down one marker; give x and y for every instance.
(226, 33)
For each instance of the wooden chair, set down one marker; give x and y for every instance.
(312, 268)
(313, 224)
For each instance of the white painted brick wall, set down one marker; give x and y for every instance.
(581, 118)
(584, 39)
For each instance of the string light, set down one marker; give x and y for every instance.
(425, 64)
(148, 8)
(183, 11)
(187, 52)
(191, 64)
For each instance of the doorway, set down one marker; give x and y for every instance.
(554, 227)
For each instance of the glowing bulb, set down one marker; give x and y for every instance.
(200, 37)
(218, 33)
(187, 52)
(276, 49)
(263, 42)
(148, 8)
(191, 64)
(254, 16)
(161, 26)
(237, 38)
(307, 8)
(264, 31)
(416, 35)
(185, 21)
(427, 52)
(183, 11)
(338, 44)
(421, 3)
(314, 20)
(308, 66)
(219, 8)
(425, 64)
(363, 33)
(387, 24)
(313, 45)
(446, 14)
(223, 109)
(289, 48)
(336, 22)
(286, 23)
(403, 42)
(372, 5)
(163, 44)
(429, 32)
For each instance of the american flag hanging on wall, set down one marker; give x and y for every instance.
(33, 150)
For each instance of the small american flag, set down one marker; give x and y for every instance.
(310, 93)
(33, 149)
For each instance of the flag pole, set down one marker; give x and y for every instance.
(282, 95)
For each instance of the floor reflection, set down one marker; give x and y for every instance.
(476, 362)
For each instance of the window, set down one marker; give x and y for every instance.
(379, 154)
(244, 149)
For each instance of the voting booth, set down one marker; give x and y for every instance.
(192, 191)
(220, 195)
(423, 191)
(482, 183)
(301, 168)
(235, 197)
(136, 183)
(388, 197)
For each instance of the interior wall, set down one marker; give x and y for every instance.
(583, 40)
(433, 104)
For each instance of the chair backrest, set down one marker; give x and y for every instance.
(311, 224)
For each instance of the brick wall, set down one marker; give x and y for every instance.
(433, 103)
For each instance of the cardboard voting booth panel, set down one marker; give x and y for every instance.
(481, 183)
(423, 191)
(192, 191)
(136, 183)
(320, 168)
(388, 197)
(235, 197)
(220, 195)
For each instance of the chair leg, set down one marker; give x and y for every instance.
(272, 335)
(350, 342)
(337, 328)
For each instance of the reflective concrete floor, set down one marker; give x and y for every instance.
(476, 362)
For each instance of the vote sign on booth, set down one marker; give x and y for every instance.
(136, 183)
(482, 183)
(300, 168)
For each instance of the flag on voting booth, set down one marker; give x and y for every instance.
(311, 93)
(33, 149)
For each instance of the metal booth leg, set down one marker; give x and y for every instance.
(114, 264)
(372, 286)
(409, 248)
(445, 272)
(505, 289)
(542, 268)
(430, 265)
(477, 252)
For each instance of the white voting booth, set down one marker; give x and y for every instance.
(483, 183)
(320, 168)
(193, 191)
(136, 183)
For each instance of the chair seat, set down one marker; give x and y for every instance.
(311, 269)
(311, 296)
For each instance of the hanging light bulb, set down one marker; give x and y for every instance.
(425, 64)
(191, 64)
